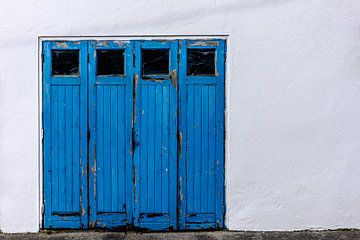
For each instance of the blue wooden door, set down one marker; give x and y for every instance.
(155, 135)
(110, 123)
(130, 142)
(201, 151)
(65, 134)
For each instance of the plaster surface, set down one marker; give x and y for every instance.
(292, 105)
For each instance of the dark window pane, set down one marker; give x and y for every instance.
(155, 62)
(65, 62)
(201, 62)
(110, 62)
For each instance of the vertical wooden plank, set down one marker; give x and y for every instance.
(114, 151)
(93, 146)
(212, 148)
(204, 149)
(76, 150)
(173, 137)
(107, 149)
(48, 126)
(183, 153)
(54, 161)
(151, 149)
(100, 149)
(157, 145)
(128, 95)
(83, 134)
(165, 150)
(62, 149)
(190, 166)
(220, 108)
(69, 144)
(144, 148)
(137, 126)
(121, 136)
(197, 147)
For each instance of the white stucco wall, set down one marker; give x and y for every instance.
(293, 101)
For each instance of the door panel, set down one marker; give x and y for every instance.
(155, 130)
(201, 162)
(65, 128)
(110, 108)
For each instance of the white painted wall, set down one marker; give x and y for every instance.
(293, 101)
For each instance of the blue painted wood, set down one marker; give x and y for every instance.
(65, 142)
(150, 139)
(155, 127)
(201, 124)
(110, 111)
(184, 176)
(220, 140)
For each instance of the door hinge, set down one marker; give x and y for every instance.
(42, 210)
(42, 135)
(42, 57)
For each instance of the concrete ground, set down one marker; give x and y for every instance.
(223, 235)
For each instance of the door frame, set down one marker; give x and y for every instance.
(227, 80)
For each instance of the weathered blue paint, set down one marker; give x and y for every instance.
(156, 143)
(155, 149)
(110, 117)
(65, 142)
(201, 125)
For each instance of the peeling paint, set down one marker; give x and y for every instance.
(204, 44)
(103, 43)
(135, 196)
(83, 212)
(94, 170)
(92, 224)
(62, 45)
(174, 79)
(180, 144)
(181, 189)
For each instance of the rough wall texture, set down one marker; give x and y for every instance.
(293, 94)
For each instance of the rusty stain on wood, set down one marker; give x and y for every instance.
(174, 79)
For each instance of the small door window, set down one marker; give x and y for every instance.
(155, 62)
(65, 62)
(110, 62)
(200, 62)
